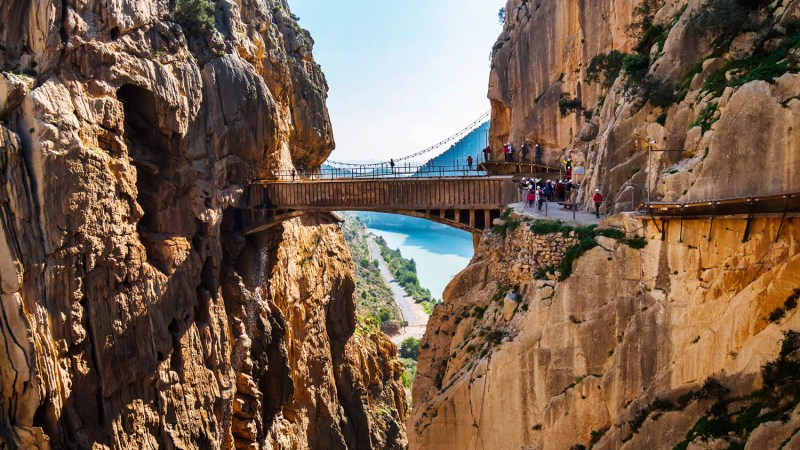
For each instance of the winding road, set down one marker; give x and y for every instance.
(412, 312)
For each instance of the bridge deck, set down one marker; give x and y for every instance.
(469, 203)
(384, 194)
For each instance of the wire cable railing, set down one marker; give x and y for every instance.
(451, 139)
(383, 171)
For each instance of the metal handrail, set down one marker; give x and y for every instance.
(385, 171)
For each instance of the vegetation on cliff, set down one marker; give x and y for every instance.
(405, 272)
(375, 306)
(409, 355)
(732, 420)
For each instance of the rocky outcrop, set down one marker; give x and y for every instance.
(631, 351)
(134, 312)
(720, 102)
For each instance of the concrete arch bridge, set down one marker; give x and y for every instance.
(468, 203)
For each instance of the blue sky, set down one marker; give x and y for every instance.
(403, 75)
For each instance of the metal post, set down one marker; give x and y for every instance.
(649, 153)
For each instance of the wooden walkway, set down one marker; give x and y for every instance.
(781, 206)
(467, 203)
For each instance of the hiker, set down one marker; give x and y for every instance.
(487, 153)
(525, 150)
(505, 152)
(523, 189)
(531, 196)
(294, 173)
(538, 154)
(598, 200)
(540, 197)
(469, 161)
(547, 190)
(573, 189)
(510, 152)
(560, 191)
(391, 164)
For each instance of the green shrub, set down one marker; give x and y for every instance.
(643, 17)
(409, 372)
(409, 348)
(596, 435)
(636, 242)
(195, 15)
(724, 18)
(567, 104)
(605, 67)
(543, 227)
(508, 224)
(761, 65)
(706, 117)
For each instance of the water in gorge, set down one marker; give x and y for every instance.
(439, 251)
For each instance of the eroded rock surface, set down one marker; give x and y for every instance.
(723, 105)
(629, 352)
(134, 313)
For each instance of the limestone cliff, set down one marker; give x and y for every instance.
(714, 81)
(636, 349)
(134, 313)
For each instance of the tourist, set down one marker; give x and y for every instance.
(505, 152)
(573, 189)
(560, 191)
(525, 150)
(567, 191)
(469, 161)
(538, 154)
(548, 191)
(391, 164)
(531, 196)
(510, 152)
(487, 153)
(598, 200)
(540, 197)
(294, 173)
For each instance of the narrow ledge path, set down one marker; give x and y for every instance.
(412, 312)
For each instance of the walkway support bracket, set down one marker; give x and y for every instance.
(783, 217)
(746, 236)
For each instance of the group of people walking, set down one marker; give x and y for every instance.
(509, 152)
(538, 191)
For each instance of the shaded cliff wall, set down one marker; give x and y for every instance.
(726, 103)
(134, 313)
(585, 359)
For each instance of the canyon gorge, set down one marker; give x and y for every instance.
(135, 313)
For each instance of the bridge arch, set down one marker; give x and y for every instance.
(466, 203)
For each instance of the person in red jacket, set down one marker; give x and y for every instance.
(598, 200)
(487, 153)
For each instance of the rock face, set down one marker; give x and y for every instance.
(134, 312)
(629, 352)
(721, 105)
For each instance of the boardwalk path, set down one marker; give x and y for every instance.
(412, 312)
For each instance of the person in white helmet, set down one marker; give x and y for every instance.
(598, 200)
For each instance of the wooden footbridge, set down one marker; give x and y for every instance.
(467, 203)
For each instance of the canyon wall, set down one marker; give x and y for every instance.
(134, 312)
(719, 101)
(559, 338)
(631, 351)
